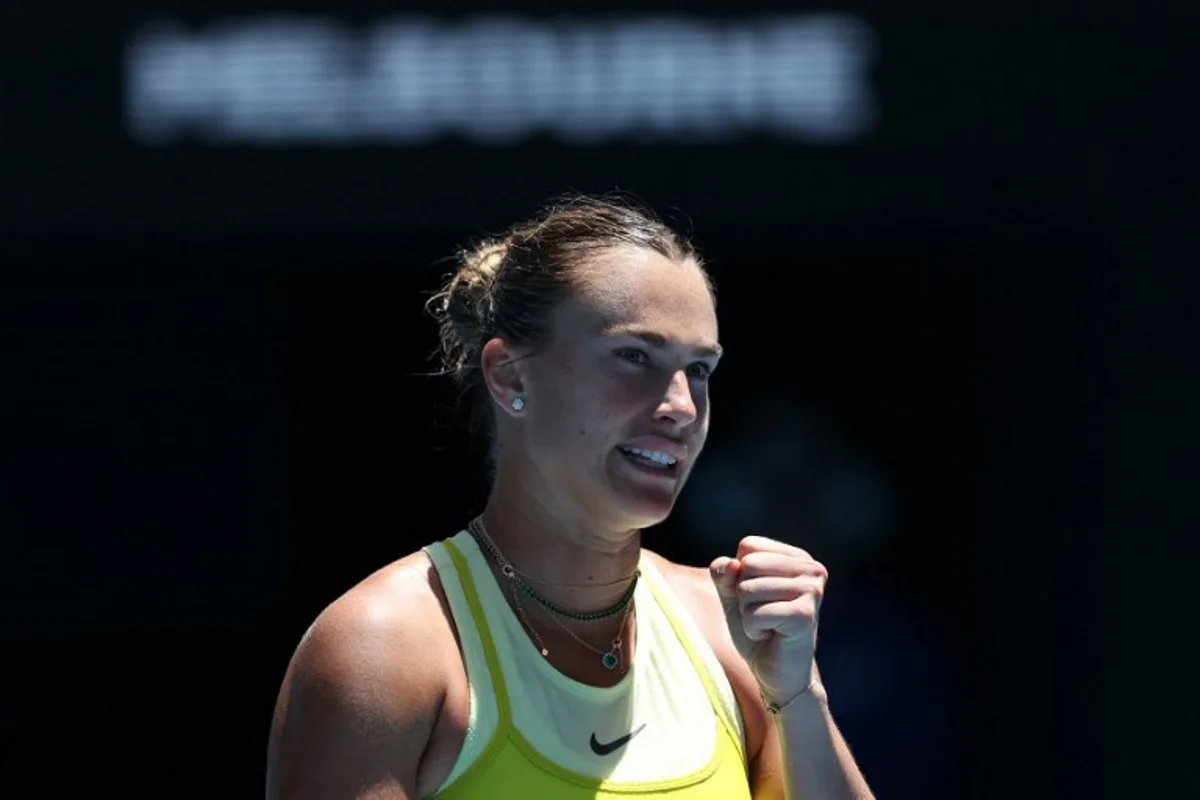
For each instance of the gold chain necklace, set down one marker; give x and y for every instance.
(610, 659)
(479, 532)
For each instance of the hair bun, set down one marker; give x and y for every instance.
(479, 266)
(472, 283)
(464, 307)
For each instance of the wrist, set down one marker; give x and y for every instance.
(813, 692)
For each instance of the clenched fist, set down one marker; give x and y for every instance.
(772, 594)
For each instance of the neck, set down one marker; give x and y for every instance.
(577, 565)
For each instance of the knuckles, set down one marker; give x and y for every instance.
(799, 586)
(762, 564)
(761, 544)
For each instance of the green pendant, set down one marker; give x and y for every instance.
(609, 660)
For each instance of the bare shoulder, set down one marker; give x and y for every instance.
(363, 690)
(693, 584)
(695, 589)
(381, 627)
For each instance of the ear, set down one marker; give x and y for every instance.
(502, 372)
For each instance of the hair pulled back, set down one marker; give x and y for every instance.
(510, 285)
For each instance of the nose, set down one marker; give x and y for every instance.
(677, 404)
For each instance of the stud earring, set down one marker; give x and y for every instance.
(518, 403)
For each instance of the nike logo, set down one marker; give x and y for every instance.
(609, 747)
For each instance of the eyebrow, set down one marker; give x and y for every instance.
(659, 341)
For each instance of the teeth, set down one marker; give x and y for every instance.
(662, 459)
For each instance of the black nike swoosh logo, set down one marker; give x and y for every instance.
(616, 744)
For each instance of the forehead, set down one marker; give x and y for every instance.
(640, 287)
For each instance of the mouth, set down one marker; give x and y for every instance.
(651, 462)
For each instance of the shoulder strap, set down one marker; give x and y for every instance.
(485, 636)
(664, 597)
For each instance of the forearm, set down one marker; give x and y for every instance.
(817, 764)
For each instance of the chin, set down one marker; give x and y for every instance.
(644, 517)
(638, 498)
(641, 507)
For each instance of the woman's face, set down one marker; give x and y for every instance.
(618, 403)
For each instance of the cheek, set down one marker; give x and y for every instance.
(623, 395)
(599, 412)
(584, 408)
(703, 406)
(599, 408)
(571, 408)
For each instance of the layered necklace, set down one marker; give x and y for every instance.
(611, 658)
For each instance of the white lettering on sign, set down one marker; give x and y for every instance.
(496, 80)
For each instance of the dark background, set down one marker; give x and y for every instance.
(958, 370)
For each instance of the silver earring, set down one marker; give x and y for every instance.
(518, 403)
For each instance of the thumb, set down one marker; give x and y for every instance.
(724, 573)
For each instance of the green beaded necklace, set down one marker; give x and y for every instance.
(475, 528)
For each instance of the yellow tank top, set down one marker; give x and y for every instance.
(669, 728)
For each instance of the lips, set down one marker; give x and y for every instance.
(661, 444)
(655, 471)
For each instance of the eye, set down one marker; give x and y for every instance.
(699, 371)
(633, 355)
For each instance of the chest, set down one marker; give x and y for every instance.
(449, 736)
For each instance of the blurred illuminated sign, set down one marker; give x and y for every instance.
(496, 80)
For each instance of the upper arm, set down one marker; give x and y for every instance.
(766, 768)
(357, 706)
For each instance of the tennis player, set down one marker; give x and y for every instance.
(542, 651)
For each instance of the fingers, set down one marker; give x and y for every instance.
(770, 588)
(769, 564)
(725, 572)
(758, 592)
(788, 617)
(766, 590)
(761, 544)
(782, 605)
